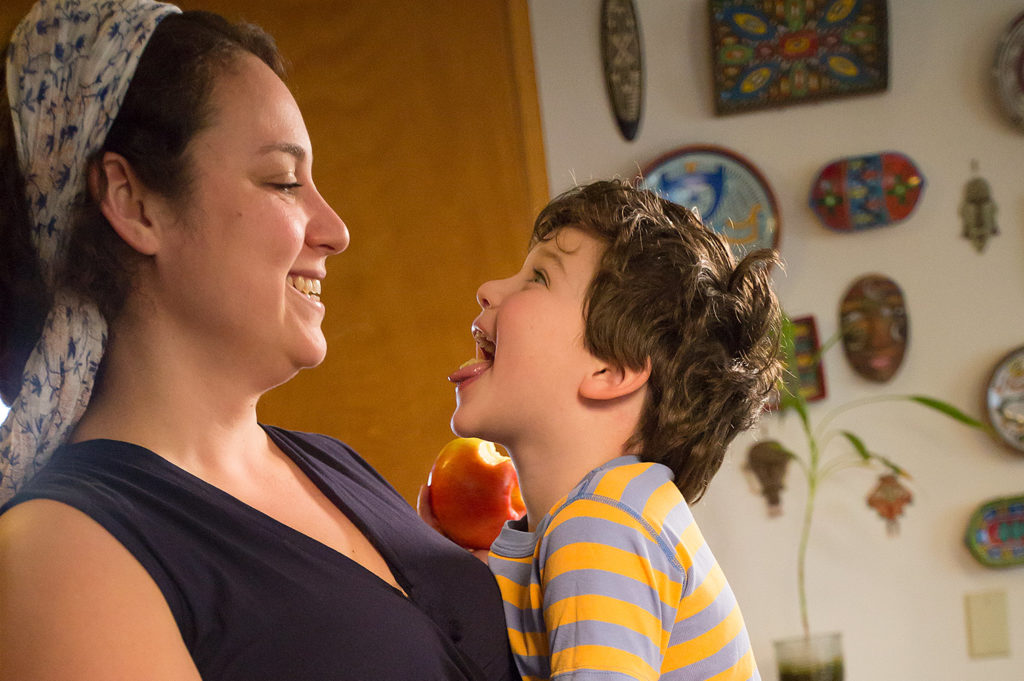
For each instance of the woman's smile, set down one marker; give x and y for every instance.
(306, 285)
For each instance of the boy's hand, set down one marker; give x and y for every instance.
(427, 514)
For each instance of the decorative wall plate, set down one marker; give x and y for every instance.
(861, 192)
(774, 53)
(995, 532)
(1009, 71)
(622, 53)
(732, 196)
(1004, 399)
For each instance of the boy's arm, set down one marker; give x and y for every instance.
(610, 594)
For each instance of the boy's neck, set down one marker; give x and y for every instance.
(549, 469)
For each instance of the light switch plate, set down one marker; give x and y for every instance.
(987, 624)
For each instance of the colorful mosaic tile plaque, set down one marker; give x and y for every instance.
(861, 192)
(995, 532)
(770, 53)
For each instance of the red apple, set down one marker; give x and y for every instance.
(473, 490)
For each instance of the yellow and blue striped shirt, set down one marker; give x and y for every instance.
(618, 583)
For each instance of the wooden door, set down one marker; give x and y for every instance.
(426, 139)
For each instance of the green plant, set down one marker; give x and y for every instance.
(816, 467)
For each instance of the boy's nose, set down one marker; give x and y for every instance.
(487, 294)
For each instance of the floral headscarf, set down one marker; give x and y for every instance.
(68, 68)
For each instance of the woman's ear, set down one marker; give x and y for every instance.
(124, 201)
(609, 382)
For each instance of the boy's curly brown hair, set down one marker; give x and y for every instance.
(667, 288)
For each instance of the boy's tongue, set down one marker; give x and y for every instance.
(469, 369)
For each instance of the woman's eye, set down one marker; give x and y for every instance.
(287, 187)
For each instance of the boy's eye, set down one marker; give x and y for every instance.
(539, 277)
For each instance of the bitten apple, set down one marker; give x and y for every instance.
(473, 490)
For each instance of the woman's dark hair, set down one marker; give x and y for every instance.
(24, 299)
(166, 105)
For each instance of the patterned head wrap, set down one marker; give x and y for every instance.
(68, 68)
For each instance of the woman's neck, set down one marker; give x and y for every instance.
(175, 402)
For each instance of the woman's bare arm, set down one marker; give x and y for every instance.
(76, 605)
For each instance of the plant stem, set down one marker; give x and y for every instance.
(811, 471)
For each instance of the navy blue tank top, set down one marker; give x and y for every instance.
(255, 599)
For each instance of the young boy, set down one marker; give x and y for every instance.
(615, 368)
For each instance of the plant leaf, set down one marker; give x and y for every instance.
(788, 385)
(892, 465)
(827, 345)
(951, 411)
(867, 455)
(858, 445)
(800, 404)
(787, 340)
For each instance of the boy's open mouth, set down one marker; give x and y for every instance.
(485, 346)
(472, 368)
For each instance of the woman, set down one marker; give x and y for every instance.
(172, 536)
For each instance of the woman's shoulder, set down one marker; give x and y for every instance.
(64, 572)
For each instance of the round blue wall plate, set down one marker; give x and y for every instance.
(732, 196)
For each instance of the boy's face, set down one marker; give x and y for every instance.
(530, 353)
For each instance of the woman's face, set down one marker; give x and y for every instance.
(240, 274)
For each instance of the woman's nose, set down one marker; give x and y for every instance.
(326, 230)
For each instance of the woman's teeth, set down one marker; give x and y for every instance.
(306, 286)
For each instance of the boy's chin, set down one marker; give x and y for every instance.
(458, 428)
(463, 431)
(463, 425)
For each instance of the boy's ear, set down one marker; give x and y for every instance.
(608, 382)
(123, 200)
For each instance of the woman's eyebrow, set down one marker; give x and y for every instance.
(291, 149)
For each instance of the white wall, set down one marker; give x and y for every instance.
(897, 601)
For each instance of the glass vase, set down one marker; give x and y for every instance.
(818, 657)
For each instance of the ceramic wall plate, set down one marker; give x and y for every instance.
(1004, 399)
(732, 196)
(1009, 71)
(622, 53)
(995, 532)
(861, 192)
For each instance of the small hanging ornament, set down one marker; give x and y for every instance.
(767, 460)
(978, 211)
(889, 498)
